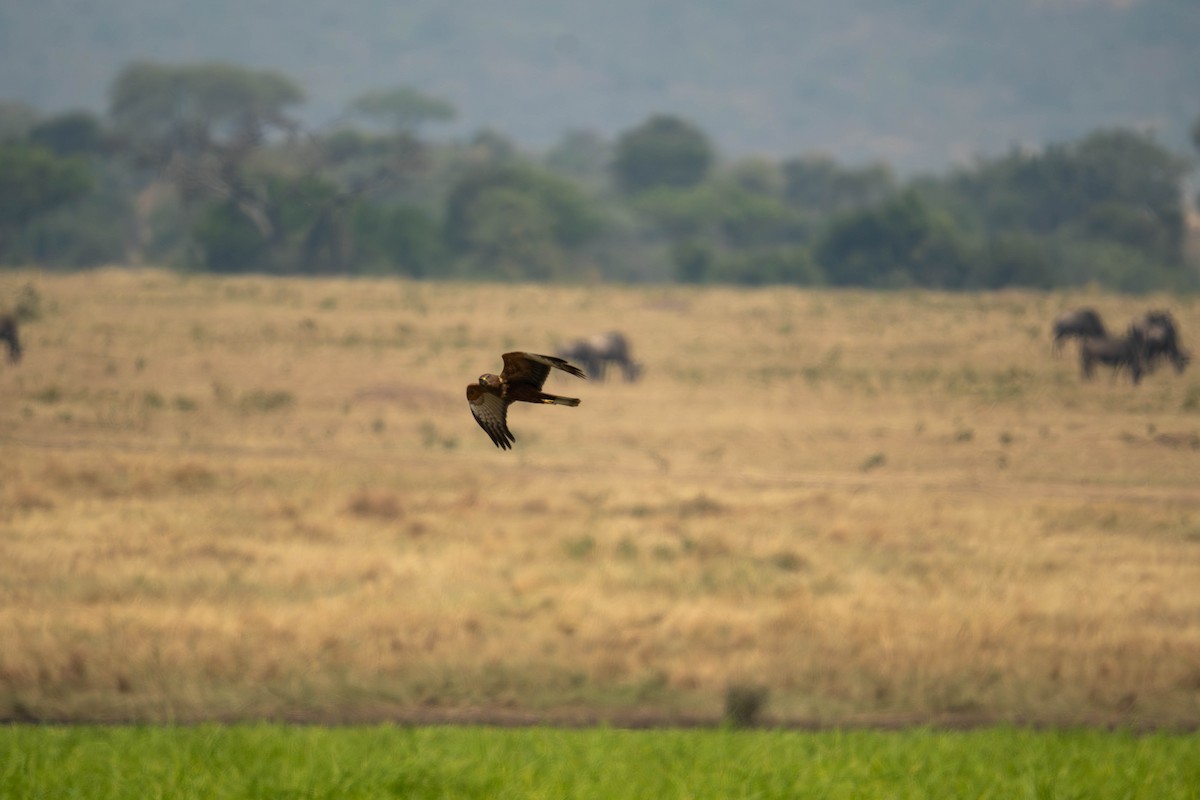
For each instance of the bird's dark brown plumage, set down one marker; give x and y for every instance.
(521, 380)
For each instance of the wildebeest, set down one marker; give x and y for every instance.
(8, 335)
(1080, 323)
(1127, 352)
(1160, 338)
(596, 352)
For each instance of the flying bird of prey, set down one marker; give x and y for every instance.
(521, 380)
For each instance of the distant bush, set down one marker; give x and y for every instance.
(744, 704)
(261, 400)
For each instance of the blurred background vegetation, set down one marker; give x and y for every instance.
(206, 167)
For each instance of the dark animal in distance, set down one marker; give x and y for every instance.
(1080, 323)
(1160, 335)
(10, 336)
(521, 380)
(1126, 352)
(596, 352)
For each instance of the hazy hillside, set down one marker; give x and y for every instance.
(918, 82)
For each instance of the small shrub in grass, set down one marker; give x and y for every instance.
(580, 547)
(432, 438)
(429, 435)
(627, 549)
(49, 395)
(663, 552)
(262, 400)
(743, 704)
(789, 561)
(28, 306)
(28, 498)
(193, 477)
(700, 506)
(875, 460)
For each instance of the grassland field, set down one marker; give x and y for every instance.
(256, 498)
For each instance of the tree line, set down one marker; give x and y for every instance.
(205, 167)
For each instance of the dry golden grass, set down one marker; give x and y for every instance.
(253, 496)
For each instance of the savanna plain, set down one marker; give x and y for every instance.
(253, 498)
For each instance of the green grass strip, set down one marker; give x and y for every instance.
(275, 761)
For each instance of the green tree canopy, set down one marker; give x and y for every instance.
(188, 107)
(198, 126)
(1112, 184)
(664, 151)
(902, 241)
(581, 153)
(34, 182)
(572, 218)
(401, 239)
(402, 108)
(75, 132)
(510, 235)
(818, 183)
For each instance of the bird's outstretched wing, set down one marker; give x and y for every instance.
(532, 368)
(491, 412)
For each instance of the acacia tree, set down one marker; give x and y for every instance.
(190, 108)
(198, 125)
(402, 108)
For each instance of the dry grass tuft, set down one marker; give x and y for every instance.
(378, 503)
(24, 498)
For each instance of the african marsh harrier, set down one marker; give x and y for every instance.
(521, 380)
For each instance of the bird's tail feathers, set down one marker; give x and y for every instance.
(558, 400)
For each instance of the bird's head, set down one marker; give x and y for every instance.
(488, 379)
